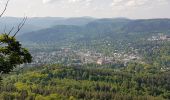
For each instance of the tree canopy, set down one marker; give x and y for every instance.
(12, 53)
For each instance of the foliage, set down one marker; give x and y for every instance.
(12, 53)
(58, 82)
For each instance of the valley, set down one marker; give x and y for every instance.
(93, 59)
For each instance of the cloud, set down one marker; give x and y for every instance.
(67, 1)
(50, 1)
(3, 2)
(129, 2)
(70, 1)
(80, 0)
(46, 1)
(73, 1)
(137, 3)
(104, 4)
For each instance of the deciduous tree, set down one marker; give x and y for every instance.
(11, 51)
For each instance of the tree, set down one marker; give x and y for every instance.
(11, 51)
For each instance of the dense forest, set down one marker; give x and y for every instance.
(89, 82)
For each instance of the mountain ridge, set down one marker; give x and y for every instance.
(98, 28)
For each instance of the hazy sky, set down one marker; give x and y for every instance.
(94, 8)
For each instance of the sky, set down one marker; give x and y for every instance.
(134, 9)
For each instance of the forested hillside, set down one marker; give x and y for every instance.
(101, 28)
(38, 23)
(57, 82)
(113, 40)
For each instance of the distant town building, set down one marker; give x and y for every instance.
(100, 61)
(159, 37)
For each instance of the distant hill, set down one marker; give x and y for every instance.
(38, 23)
(97, 29)
(148, 25)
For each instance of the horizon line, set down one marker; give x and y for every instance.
(92, 17)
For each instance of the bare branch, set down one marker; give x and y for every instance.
(4, 8)
(19, 27)
(5, 29)
(11, 30)
(21, 24)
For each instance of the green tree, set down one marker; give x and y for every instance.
(11, 51)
